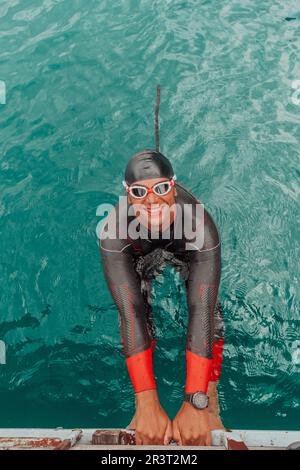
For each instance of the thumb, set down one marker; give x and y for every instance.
(168, 434)
(176, 434)
(138, 439)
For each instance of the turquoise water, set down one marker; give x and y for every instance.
(80, 83)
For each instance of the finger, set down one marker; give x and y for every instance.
(131, 425)
(154, 441)
(176, 435)
(147, 441)
(200, 441)
(208, 440)
(190, 441)
(168, 434)
(158, 441)
(150, 440)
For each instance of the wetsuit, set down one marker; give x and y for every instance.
(130, 264)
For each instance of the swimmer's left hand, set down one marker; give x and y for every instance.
(191, 426)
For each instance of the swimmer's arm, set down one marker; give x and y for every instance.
(125, 287)
(202, 292)
(191, 426)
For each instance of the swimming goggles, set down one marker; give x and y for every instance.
(160, 189)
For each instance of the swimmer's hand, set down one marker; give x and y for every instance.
(191, 426)
(152, 425)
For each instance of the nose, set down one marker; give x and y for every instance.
(152, 199)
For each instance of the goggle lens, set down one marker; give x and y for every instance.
(138, 191)
(162, 188)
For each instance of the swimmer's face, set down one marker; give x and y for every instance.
(154, 211)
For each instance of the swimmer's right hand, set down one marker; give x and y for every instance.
(152, 425)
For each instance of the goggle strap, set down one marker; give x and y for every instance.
(125, 186)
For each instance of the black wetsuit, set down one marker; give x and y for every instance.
(129, 264)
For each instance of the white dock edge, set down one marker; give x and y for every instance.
(79, 439)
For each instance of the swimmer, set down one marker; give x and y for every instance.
(157, 202)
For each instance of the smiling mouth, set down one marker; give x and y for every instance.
(154, 210)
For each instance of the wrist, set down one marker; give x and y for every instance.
(188, 406)
(146, 397)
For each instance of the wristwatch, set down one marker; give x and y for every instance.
(199, 400)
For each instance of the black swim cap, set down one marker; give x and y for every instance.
(148, 164)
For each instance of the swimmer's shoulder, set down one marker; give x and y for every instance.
(116, 223)
(184, 196)
(211, 238)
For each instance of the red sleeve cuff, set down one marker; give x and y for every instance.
(140, 369)
(217, 360)
(198, 372)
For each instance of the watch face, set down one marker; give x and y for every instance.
(200, 400)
